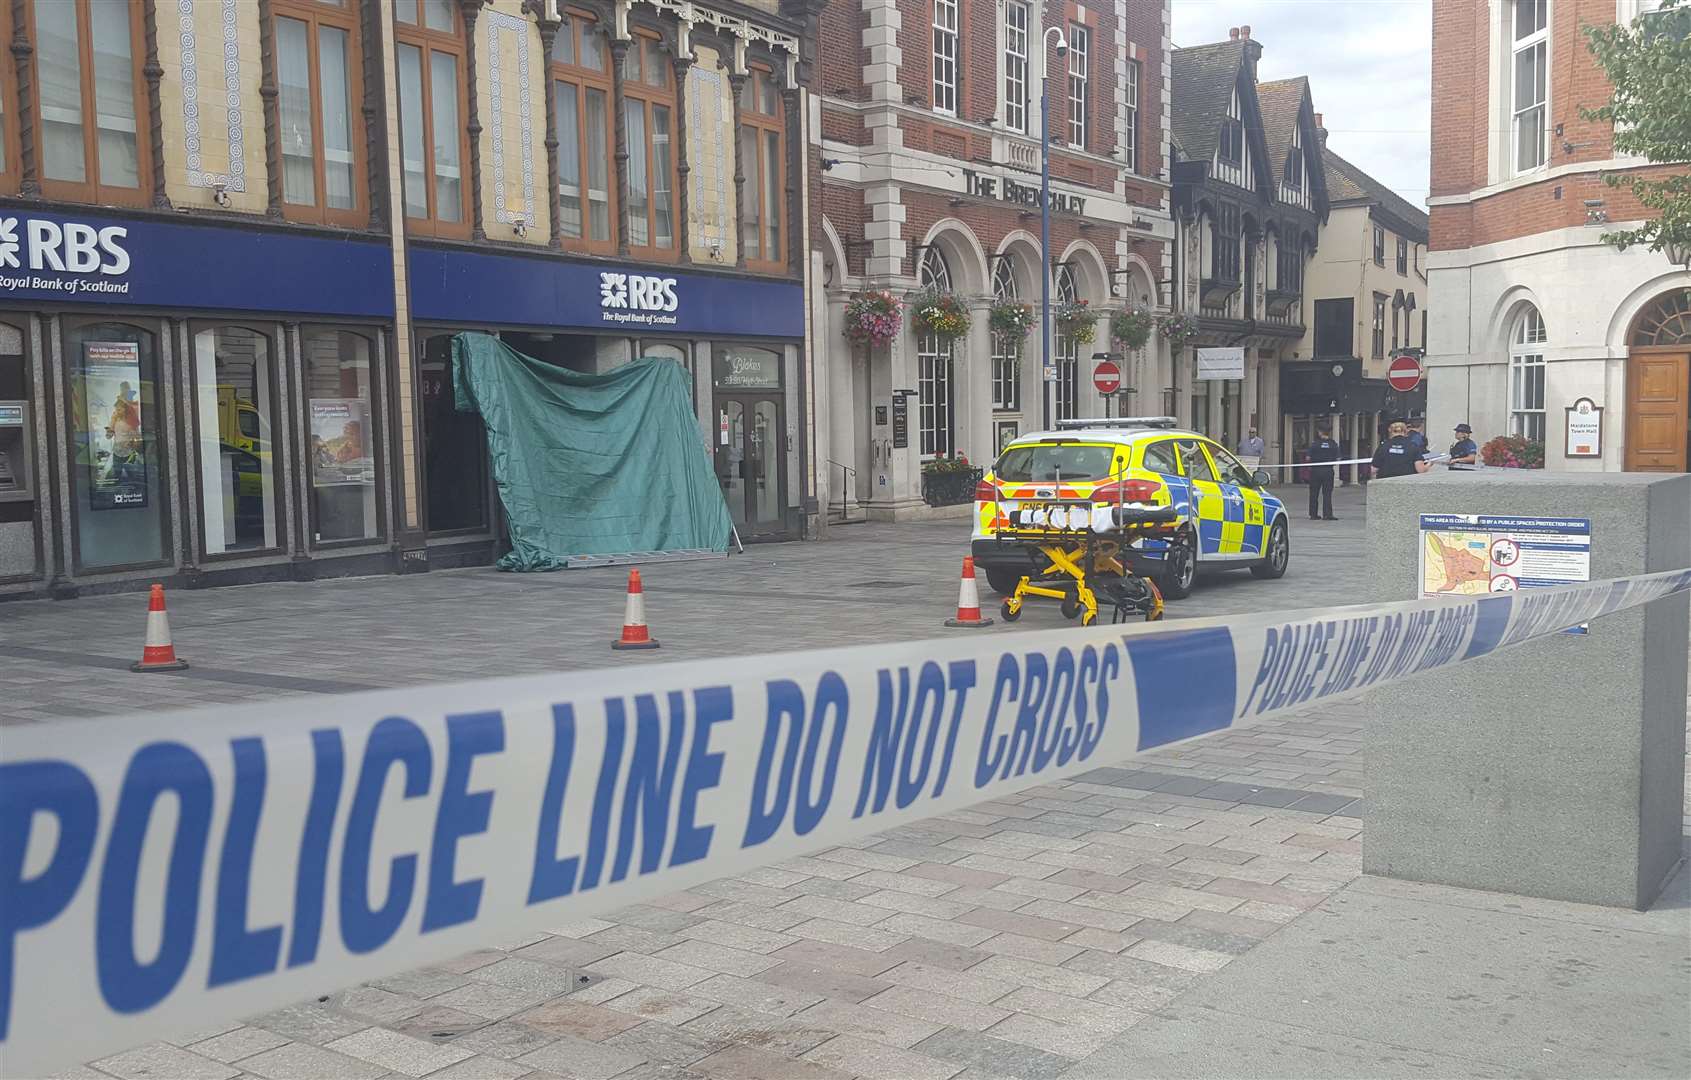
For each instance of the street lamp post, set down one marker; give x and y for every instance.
(1045, 221)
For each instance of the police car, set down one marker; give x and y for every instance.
(1230, 521)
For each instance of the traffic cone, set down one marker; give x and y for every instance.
(158, 654)
(634, 635)
(968, 600)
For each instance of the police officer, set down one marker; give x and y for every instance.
(1324, 448)
(1417, 435)
(1463, 451)
(1398, 456)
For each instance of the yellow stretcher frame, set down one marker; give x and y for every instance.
(1072, 559)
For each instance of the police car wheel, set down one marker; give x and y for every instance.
(1278, 554)
(1180, 567)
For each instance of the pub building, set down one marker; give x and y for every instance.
(928, 183)
(228, 280)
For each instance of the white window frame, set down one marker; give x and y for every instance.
(1018, 18)
(1080, 99)
(1066, 405)
(1536, 43)
(1006, 348)
(945, 24)
(935, 367)
(1130, 132)
(1526, 375)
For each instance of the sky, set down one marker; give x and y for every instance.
(1369, 64)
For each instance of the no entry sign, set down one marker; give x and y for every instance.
(1404, 374)
(1106, 377)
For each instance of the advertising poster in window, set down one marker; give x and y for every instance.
(340, 445)
(114, 432)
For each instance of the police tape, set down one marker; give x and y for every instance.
(1431, 459)
(165, 872)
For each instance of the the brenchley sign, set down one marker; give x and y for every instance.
(1011, 191)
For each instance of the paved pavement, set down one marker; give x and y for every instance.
(1029, 937)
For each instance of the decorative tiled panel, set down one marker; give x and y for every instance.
(496, 24)
(218, 104)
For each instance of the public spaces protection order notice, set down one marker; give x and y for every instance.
(1474, 554)
(163, 872)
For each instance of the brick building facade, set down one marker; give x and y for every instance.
(925, 155)
(1537, 315)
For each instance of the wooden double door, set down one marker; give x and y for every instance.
(1658, 413)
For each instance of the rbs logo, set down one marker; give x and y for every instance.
(637, 292)
(73, 248)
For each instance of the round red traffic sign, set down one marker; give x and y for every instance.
(1404, 374)
(1106, 377)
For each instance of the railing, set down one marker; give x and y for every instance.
(843, 511)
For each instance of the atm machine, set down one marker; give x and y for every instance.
(17, 491)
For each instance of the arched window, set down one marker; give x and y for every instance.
(1068, 350)
(934, 273)
(1526, 374)
(1006, 344)
(934, 368)
(1667, 321)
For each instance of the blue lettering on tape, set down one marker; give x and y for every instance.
(711, 706)
(393, 741)
(460, 813)
(552, 876)
(1491, 620)
(328, 765)
(236, 952)
(651, 780)
(1186, 683)
(50, 788)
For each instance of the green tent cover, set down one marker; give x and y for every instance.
(590, 464)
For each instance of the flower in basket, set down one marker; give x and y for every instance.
(1513, 452)
(1077, 320)
(1132, 327)
(940, 313)
(1178, 330)
(1011, 319)
(948, 463)
(874, 317)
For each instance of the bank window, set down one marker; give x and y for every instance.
(1379, 327)
(648, 89)
(1130, 152)
(88, 100)
(1526, 375)
(118, 447)
(762, 152)
(317, 69)
(235, 415)
(1016, 65)
(432, 141)
(341, 436)
(1080, 43)
(581, 87)
(1529, 77)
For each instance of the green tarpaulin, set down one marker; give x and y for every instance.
(590, 464)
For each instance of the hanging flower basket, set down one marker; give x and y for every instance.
(1011, 319)
(1178, 330)
(1076, 320)
(940, 313)
(1513, 452)
(1132, 327)
(949, 481)
(873, 318)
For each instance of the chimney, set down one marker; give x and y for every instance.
(1245, 32)
(1321, 130)
(1233, 34)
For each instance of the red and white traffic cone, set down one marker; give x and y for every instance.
(634, 635)
(158, 654)
(968, 600)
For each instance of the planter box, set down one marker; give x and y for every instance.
(950, 488)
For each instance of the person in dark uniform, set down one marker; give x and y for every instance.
(1324, 448)
(1463, 451)
(1398, 456)
(1417, 435)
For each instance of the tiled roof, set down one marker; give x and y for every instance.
(1347, 183)
(1202, 87)
(1280, 102)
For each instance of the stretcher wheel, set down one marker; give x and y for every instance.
(1088, 618)
(1071, 607)
(1009, 614)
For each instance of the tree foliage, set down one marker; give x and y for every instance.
(1649, 65)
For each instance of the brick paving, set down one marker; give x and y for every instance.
(1011, 939)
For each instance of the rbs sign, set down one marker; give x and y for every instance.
(48, 250)
(645, 299)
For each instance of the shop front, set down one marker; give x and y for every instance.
(738, 336)
(188, 402)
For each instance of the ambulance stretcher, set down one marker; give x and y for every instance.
(1076, 547)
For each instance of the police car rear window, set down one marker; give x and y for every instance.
(1048, 461)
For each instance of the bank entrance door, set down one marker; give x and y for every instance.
(748, 461)
(455, 468)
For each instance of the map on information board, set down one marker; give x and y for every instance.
(1473, 554)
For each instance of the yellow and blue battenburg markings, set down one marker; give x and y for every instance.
(162, 872)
